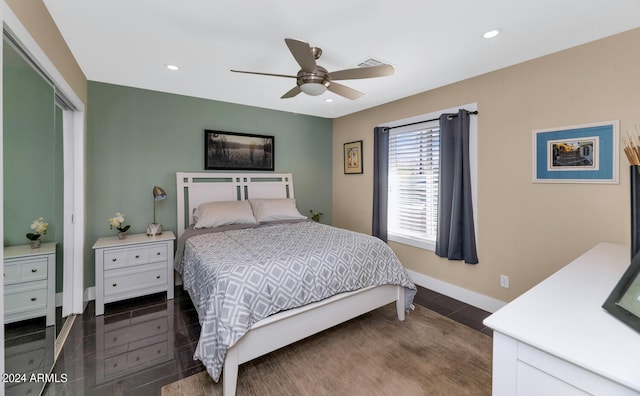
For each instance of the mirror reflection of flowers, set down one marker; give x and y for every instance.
(117, 221)
(40, 228)
(315, 216)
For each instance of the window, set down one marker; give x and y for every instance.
(414, 155)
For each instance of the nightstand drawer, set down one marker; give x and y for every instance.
(25, 300)
(26, 270)
(157, 253)
(138, 256)
(115, 259)
(135, 278)
(136, 333)
(34, 270)
(11, 273)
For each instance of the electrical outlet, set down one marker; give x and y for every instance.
(504, 281)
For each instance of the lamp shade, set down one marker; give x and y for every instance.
(158, 194)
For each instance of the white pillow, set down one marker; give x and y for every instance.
(216, 214)
(275, 209)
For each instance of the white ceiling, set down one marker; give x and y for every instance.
(430, 43)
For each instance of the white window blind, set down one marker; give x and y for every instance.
(412, 213)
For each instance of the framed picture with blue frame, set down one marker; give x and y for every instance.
(577, 154)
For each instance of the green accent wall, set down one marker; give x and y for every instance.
(138, 138)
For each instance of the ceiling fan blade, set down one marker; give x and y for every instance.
(303, 54)
(345, 91)
(362, 72)
(264, 74)
(291, 93)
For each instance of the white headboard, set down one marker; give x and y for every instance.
(194, 189)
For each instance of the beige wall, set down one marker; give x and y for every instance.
(36, 19)
(525, 230)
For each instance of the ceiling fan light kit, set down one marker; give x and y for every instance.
(314, 80)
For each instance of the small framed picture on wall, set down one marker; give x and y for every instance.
(353, 157)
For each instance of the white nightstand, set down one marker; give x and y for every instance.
(29, 282)
(135, 266)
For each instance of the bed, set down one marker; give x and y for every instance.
(234, 332)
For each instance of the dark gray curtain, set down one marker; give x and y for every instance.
(380, 181)
(456, 236)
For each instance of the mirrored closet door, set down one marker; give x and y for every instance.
(33, 188)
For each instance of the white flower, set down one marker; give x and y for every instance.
(39, 226)
(117, 221)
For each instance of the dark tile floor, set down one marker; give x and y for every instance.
(142, 344)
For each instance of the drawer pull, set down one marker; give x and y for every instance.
(34, 270)
(115, 339)
(137, 358)
(137, 256)
(158, 277)
(114, 259)
(157, 254)
(33, 298)
(114, 285)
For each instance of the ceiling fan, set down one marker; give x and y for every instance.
(314, 79)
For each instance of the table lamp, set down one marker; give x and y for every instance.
(154, 228)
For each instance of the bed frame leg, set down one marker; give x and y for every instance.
(400, 308)
(230, 373)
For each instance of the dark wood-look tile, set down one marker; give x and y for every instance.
(78, 357)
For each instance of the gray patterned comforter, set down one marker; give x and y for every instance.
(241, 276)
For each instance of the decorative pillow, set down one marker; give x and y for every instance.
(266, 210)
(216, 214)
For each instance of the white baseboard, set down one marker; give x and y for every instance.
(478, 300)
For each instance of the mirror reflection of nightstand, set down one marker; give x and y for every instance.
(26, 354)
(29, 282)
(133, 344)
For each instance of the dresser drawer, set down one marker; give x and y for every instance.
(134, 278)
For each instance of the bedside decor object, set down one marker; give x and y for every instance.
(315, 216)
(238, 151)
(155, 228)
(576, 154)
(117, 221)
(353, 157)
(40, 228)
(632, 151)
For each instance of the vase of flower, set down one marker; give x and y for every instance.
(39, 227)
(116, 222)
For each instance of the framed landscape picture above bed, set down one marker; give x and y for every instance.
(238, 151)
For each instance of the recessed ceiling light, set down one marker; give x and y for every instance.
(492, 33)
(328, 100)
(172, 67)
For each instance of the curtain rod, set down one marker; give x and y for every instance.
(422, 122)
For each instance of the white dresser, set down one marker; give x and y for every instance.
(29, 283)
(556, 339)
(135, 266)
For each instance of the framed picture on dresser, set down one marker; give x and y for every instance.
(624, 300)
